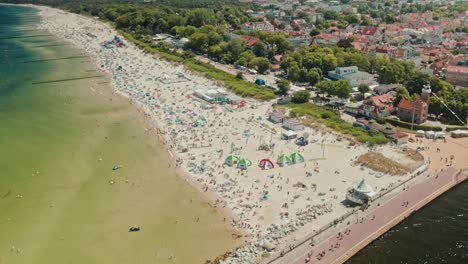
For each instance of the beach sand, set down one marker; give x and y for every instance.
(277, 206)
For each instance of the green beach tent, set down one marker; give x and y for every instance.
(284, 161)
(297, 158)
(231, 160)
(243, 164)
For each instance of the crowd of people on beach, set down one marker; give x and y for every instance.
(268, 205)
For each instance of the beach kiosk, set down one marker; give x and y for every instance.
(289, 134)
(266, 164)
(297, 158)
(243, 164)
(284, 161)
(361, 193)
(231, 160)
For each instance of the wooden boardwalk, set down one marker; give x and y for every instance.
(358, 234)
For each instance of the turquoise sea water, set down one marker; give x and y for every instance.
(60, 200)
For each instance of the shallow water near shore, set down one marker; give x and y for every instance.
(59, 202)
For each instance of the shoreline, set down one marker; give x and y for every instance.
(162, 124)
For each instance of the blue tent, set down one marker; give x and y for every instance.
(260, 81)
(302, 141)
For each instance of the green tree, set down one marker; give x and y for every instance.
(283, 86)
(262, 64)
(329, 62)
(199, 17)
(313, 76)
(342, 89)
(402, 93)
(314, 32)
(294, 72)
(363, 88)
(312, 60)
(300, 97)
(324, 87)
(260, 49)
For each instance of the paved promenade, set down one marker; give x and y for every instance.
(359, 233)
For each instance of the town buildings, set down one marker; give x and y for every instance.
(415, 111)
(352, 75)
(378, 106)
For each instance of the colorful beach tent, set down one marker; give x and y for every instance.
(302, 141)
(297, 158)
(243, 164)
(260, 81)
(284, 161)
(266, 164)
(231, 160)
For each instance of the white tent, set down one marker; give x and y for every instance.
(430, 134)
(420, 133)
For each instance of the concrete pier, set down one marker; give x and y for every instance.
(356, 235)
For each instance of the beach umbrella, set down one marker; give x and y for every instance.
(243, 164)
(297, 158)
(231, 160)
(284, 161)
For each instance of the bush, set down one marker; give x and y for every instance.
(407, 125)
(452, 128)
(381, 120)
(325, 115)
(240, 87)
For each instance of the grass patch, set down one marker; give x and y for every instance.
(240, 87)
(331, 118)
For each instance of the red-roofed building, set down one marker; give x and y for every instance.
(260, 26)
(457, 75)
(277, 59)
(249, 41)
(372, 34)
(378, 106)
(415, 110)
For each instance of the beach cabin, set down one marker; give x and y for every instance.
(288, 134)
(293, 124)
(276, 117)
(399, 137)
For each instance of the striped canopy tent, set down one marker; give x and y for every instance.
(243, 164)
(297, 158)
(231, 160)
(266, 164)
(284, 161)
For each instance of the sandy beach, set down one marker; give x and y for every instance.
(271, 207)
